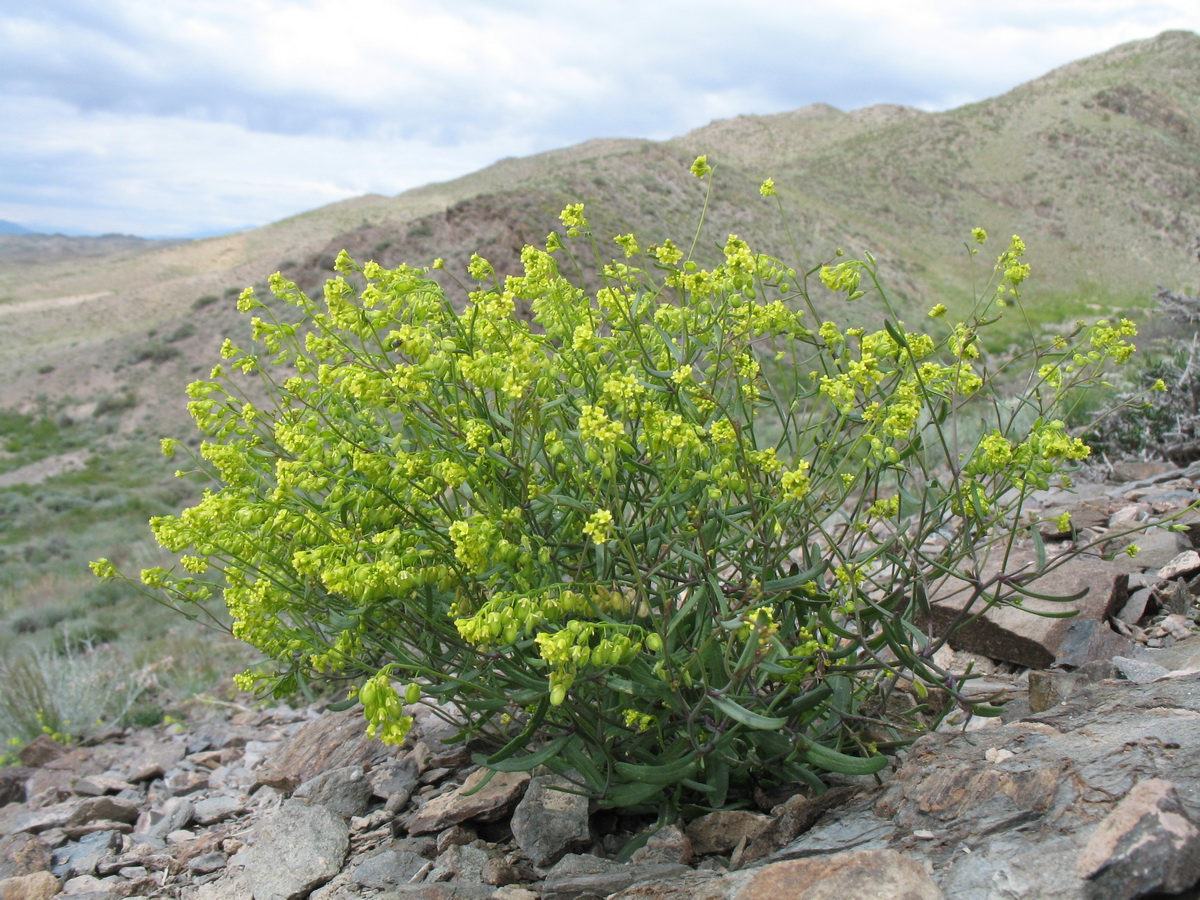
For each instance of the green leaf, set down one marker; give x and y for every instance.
(623, 795)
(1053, 598)
(811, 700)
(895, 333)
(573, 754)
(986, 711)
(1039, 547)
(526, 762)
(522, 739)
(743, 716)
(666, 773)
(791, 582)
(835, 761)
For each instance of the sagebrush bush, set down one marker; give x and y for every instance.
(666, 537)
(79, 690)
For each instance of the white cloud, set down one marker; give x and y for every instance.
(181, 117)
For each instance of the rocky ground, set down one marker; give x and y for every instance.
(1088, 785)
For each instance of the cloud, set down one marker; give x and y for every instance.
(149, 116)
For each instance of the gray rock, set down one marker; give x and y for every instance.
(215, 808)
(443, 891)
(460, 863)
(576, 875)
(297, 848)
(1012, 634)
(176, 813)
(12, 784)
(35, 820)
(41, 750)
(1182, 656)
(83, 857)
(1146, 845)
(155, 761)
(334, 741)
(1157, 547)
(344, 791)
(55, 778)
(1135, 606)
(668, 844)
(207, 862)
(113, 809)
(682, 886)
(23, 854)
(394, 781)
(723, 830)
(34, 886)
(1184, 565)
(1139, 671)
(395, 865)
(855, 873)
(99, 785)
(550, 820)
(1089, 640)
(791, 818)
(470, 801)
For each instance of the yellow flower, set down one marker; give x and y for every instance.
(572, 217)
(599, 526)
(767, 188)
(700, 167)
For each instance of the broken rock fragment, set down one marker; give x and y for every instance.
(1147, 844)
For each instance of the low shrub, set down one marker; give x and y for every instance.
(65, 695)
(156, 352)
(181, 332)
(672, 536)
(115, 402)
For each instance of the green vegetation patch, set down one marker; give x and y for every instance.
(667, 529)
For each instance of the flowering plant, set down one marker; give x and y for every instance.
(665, 537)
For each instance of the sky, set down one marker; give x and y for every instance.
(174, 118)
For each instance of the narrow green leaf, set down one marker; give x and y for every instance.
(895, 333)
(522, 739)
(623, 795)
(526, 762)
(986, 711)
(1039, 547)
(844, 764)
(666, 773)
(791, 582)
(582, 763)
(743, 716)
(811, 700)
(1053, 598)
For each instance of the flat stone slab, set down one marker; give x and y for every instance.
(334, 741)
(1027, 798)
(470, 801)
(1013, 634)
(298, 847)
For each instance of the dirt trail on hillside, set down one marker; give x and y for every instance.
(29, 306)
(37, 472)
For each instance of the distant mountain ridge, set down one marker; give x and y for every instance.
(7, 227)
(1096, 164)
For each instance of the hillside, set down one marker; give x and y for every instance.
(1095, 164)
